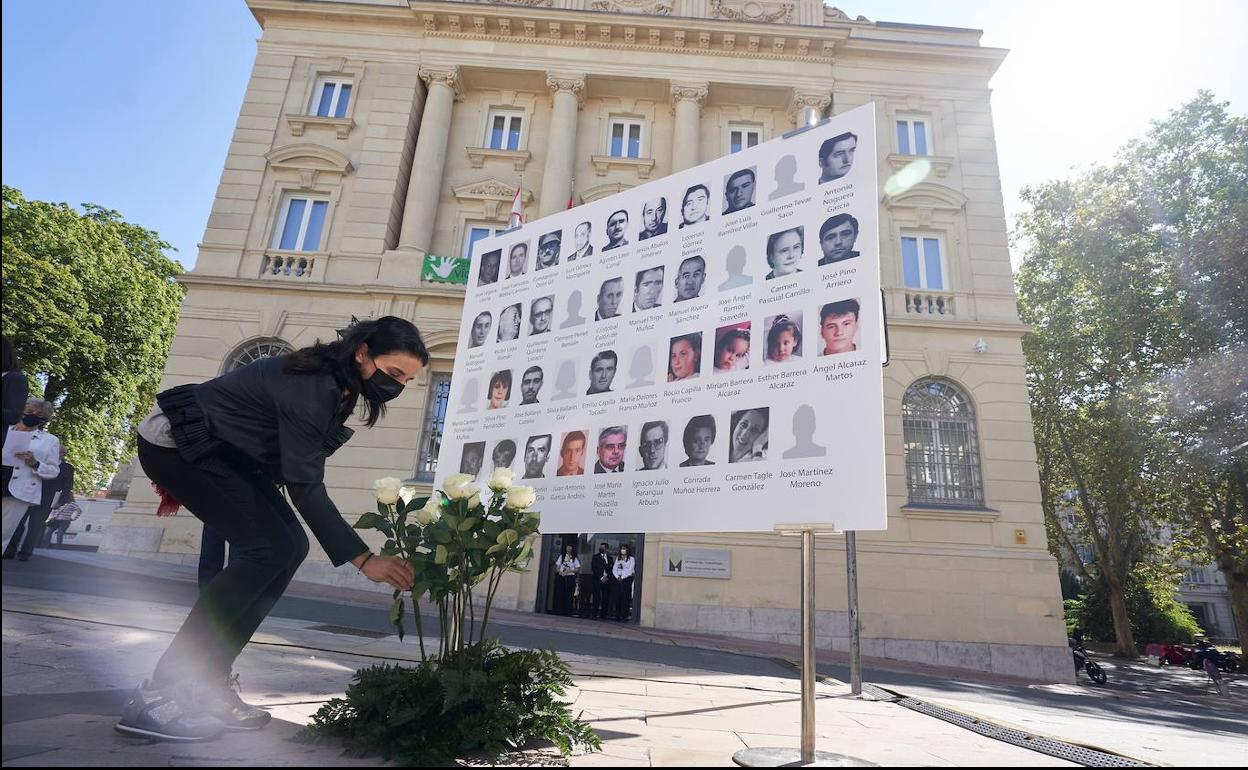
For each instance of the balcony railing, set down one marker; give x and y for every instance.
(293, 266)
(931, 303)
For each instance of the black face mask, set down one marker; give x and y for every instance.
(33, 420)
(381, 386)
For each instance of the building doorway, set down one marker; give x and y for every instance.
(585, 602)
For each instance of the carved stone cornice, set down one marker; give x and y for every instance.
(490, 195)
(648, 7)
(447, 76)
(775, 13)
(573, 84)
(530, 3)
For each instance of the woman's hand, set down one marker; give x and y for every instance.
(388, 569)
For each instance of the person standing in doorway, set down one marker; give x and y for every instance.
(623, 570)
(602, 564)
(566, 568)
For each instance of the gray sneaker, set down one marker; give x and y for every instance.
(220, 698)
(166, 714)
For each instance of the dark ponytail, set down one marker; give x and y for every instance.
(387, 334)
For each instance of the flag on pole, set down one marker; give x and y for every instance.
(571, 194)
(517, 210)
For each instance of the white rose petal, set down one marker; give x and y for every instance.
(387, 490)
(474, 501)
(501, 479)
(519, 498)
(456, 486)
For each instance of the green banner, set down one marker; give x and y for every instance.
(445, 269)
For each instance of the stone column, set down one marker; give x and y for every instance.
(569, 95)
(807, 102)
(687, 105)
(424, 188)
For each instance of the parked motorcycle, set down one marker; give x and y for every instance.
(1084, 661)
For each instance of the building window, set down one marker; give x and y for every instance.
(503, 131)
(942, 454)
(431, 431)
(923, 264)
(474, 233)
(300, 223)
(330, 98)
(625, 139)
(254, 351)
(742, 137)
(912, 137)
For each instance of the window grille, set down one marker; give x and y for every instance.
(431, 431)
(942, 452)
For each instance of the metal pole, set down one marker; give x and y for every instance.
(855, 649)
(808, 646)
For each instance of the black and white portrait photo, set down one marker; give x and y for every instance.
(698, 439)
(481, 326)
(610, 298)
(472, 459)
(541, 313)
(653, 445)
(653, 219)
(531, 385)
(648, 288)
(548, 249)
(784, 252)
(518, 259)
(536, 454)
(836, 239)
(693, 207)
(503, 454)
(747, 435)
(836, 157)
(509, 323)
(581, 235)
(617, 230)
(491, 261)
(602, 372)
(690, 276)
(739, 189)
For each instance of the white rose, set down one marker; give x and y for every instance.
(474, 501)
(521, 497)
(456, 487)
(430, 513)
(387, 490)
(501, 479)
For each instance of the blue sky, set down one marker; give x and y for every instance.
(130, 103)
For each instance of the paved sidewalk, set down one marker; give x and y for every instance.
(79, 633)
(69, 663)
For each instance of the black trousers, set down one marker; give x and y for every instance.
(267, 545)
(29, 531)
(56, 528)
(211, 555)
(602, 596)
(622, 598)
(565, 588)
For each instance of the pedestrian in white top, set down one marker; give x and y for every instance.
(623, 570)
(33, 455)
(567, 567)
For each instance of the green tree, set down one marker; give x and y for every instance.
(91, 304)
(1136, 284)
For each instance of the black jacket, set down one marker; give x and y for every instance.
(63, 483)
(602, 563)
(14, 403)
(288, 424)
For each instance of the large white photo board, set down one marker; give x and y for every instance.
(699, 353)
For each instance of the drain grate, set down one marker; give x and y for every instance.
(1082, 755)
(349, 631)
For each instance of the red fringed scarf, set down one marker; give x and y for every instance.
(169, 504)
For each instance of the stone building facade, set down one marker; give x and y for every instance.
(374, 132)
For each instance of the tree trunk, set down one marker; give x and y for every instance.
(1237, 585)
(1124, 644)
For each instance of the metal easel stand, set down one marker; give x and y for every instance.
(807, 756)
